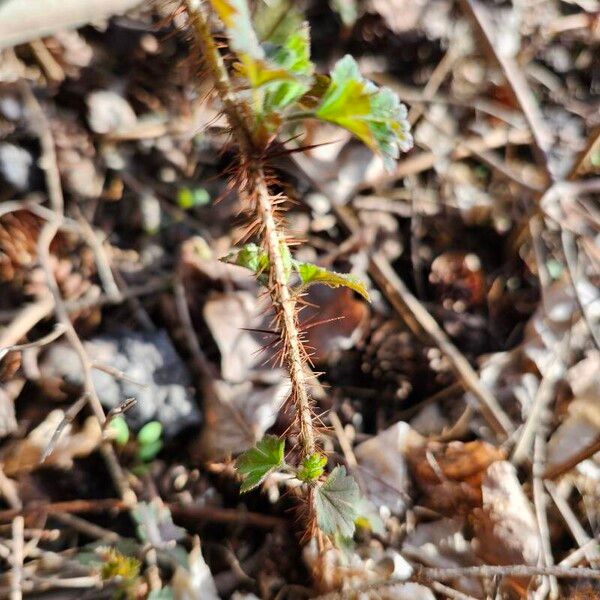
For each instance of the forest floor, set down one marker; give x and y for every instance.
(465, 398)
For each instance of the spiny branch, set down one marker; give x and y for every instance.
(255, 188)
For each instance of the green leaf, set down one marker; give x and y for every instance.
(119, 430)
(310, 274)
(253, 257)
(312, 467)
(147, 452)
(294, 57)
(335, 503)
(192, 197)
(374, 115)
(255, 464)
(150, 433)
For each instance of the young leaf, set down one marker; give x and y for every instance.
(374, 115)
(312, 467)
(294, 57)
(250, 257)
(256, 259)
(119, 430)
(150, 433)
(255, 464)
(310, 274)
(335, 503)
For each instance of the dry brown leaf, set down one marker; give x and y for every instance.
(24, 455)
(449, 475)
(578, 431)
(505, 527)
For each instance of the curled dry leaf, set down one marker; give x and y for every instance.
(450, 475)
(505, 527)
(23, 456)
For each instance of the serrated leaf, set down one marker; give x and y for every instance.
(374, 115)
(335, 503)
(255, 464)
(312, 467)
(310, 274)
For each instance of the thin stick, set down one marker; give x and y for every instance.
(68, 419)
(59, 329)
(539, 502)
(592, 554)
(48, 161)
(17, 557)
(489, 571)
(27, 318)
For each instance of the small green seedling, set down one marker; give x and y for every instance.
(148, 440)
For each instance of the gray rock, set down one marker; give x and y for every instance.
(15, 166)
(144, 358)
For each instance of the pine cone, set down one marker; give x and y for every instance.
(19, 232)
(401, 364)
(73, 265)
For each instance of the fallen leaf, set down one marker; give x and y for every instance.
(505, 527)
(230, 317)
(383, 468)
(23, 456)
(237, 416)
(449, 475)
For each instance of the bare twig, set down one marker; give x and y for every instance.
(592, 553)
(539, 502)
(68, 419)
(27, 318)
(47, 161)
(59, 329)
(17, 557)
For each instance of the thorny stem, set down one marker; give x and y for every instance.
(257, 189)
